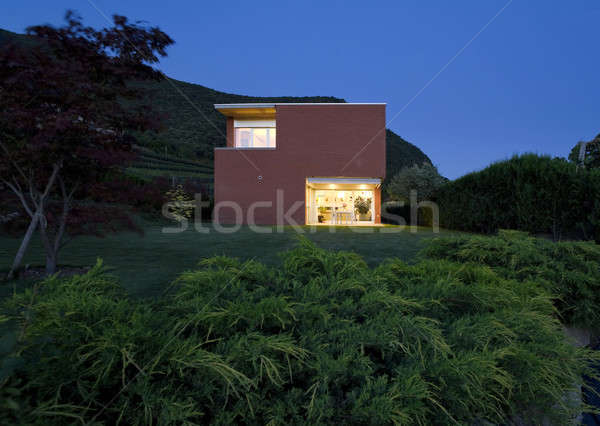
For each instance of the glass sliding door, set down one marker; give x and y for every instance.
(341, 207)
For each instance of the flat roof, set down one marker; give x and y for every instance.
(273, 105)
(266, 111)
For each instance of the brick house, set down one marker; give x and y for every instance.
(301, 163)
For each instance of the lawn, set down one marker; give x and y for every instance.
(147, 263)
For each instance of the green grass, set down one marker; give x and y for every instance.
(147, 264)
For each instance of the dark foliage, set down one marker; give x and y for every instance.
(145, 196)
(399, 213)
(85, 219)
(592, 154)
(532, 193)
(62, 119)
(400, 153)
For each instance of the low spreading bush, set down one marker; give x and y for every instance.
(531, 193)
(570, 271)
(323, 339)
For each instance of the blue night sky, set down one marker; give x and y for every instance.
(530, 82)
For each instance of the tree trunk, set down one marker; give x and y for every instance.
(51, 253)
(51, 263)
(53, 247)
(24, 244)
(35, 211)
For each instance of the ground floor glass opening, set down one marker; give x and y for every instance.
(340, 204)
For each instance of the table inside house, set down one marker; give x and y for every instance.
(342, 217)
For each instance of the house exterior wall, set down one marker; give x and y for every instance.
(230, 133)
(377, 202)
(312, 141)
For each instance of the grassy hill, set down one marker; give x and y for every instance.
(192, 127)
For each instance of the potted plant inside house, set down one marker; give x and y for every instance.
(321, 217)
(363, 208)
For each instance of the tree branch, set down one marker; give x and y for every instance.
(14, 163)
(34, 194)
(55, 169)
(18, 192)
(63, 218)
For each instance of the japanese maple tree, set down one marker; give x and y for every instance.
(67, 114)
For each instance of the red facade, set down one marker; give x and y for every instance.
(313, 140)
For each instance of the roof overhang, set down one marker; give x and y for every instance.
(247, 111)
(267, 110)
(362, 183)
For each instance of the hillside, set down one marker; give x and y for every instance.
(9, 36)
(401, 153)
(192, 127)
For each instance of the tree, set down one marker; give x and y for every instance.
(181, 203)
(592, 153)
(63, 122)
(424, 179)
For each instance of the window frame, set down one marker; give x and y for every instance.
(269, 137)
(269, 125)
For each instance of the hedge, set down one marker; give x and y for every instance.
(532, 193)
(324, 339)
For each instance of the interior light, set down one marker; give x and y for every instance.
(332, 186)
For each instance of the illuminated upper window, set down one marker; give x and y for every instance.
(255, 134)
